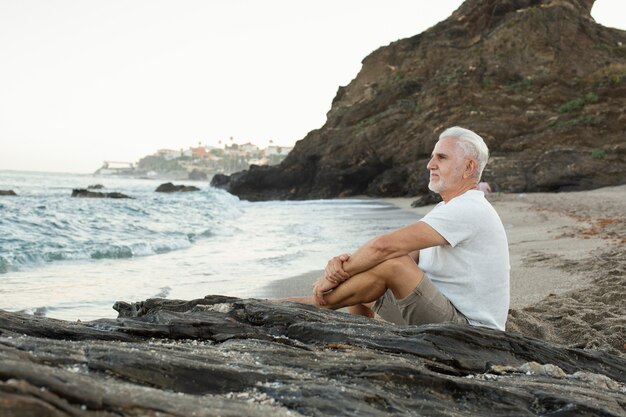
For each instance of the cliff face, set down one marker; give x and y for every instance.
(540, 81)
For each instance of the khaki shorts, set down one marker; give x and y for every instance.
(425, 305)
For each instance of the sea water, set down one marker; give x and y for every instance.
(72, 258)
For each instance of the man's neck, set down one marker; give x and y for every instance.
(462, 189)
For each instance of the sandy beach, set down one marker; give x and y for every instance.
(568, 266)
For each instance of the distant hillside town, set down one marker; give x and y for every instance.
(198, 163)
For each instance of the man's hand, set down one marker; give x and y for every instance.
(334, 275)
(334, 271)
(321, 287)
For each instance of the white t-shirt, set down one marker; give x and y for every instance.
(473, 271)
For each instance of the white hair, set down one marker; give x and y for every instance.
(472, 144)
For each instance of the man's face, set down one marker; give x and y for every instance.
(445, 166)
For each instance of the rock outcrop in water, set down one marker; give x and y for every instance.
(230, 357)
(540, 80)
(7, 193)
(168, 187)
(82, 193)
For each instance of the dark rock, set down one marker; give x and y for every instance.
(426, 200)
(220, 181)
(95, 187)
(197, 175)
(168, 187)
(225, 356)
(7, 192)
(81, 192)
(550, 103)
(116, 195)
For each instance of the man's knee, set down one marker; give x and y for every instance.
(395, 267)
(401, 275)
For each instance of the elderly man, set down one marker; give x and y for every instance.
(450, 266)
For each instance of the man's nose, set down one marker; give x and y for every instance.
(430, 164)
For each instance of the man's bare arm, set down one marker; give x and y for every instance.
(404, 241)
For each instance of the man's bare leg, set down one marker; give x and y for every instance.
(367, 284)
(308, 299)
(359, 309)
(363, 310)
(400, 275)
(359, 293)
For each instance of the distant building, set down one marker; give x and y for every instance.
(249, 148)
(231, 149)
(116, 168)
(199, 152)
(169, 154)
(261, 161)
(277, 150)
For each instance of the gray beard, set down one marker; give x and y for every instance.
(436, 188)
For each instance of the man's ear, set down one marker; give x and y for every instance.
(470, 168)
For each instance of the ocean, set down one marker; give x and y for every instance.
(72, 258)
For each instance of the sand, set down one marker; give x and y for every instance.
(568, 266)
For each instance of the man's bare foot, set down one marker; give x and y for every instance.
(361, 310)
(322, 287)
(304, 300)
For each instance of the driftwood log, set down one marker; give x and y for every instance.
(231, 357)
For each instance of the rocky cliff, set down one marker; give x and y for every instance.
(541, 81)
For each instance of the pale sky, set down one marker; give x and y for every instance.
(83, 81)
